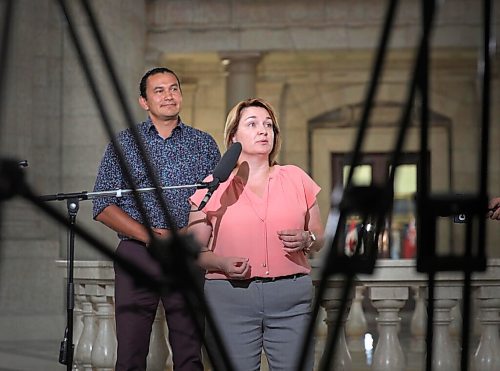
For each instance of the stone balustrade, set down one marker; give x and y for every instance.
(390, 304)
(389, 289)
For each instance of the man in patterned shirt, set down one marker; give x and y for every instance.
(180, 155)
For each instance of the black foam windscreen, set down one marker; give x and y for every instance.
(227, 162)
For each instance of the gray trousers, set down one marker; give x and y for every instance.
(262, 315)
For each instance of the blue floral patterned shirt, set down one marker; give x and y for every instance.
(186, 157)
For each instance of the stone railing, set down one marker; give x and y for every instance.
(395, 289)
(389, 289)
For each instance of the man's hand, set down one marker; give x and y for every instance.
(161, 232)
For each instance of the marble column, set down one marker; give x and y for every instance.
(241, 78)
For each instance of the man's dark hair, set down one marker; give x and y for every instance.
(154, 71)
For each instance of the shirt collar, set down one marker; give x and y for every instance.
(151, 127)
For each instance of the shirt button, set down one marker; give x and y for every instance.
(264, 265)
(267, 272)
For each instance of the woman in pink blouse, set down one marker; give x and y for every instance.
(256, 232)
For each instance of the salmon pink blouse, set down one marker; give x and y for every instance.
(246, 225)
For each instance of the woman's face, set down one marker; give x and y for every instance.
(255, 131)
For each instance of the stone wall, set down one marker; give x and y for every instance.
(49, 118)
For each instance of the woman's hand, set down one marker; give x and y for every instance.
(234, 267)
(295, 240)
(494, 209)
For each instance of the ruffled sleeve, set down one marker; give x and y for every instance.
(307, 189)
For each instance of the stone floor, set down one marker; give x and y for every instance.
(43, 356)
(40, 355)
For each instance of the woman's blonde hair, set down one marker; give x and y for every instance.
(233, 119)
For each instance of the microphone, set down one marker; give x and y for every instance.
(222, 171)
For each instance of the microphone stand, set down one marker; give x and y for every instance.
(66, 350)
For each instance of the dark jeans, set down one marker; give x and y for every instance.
(135, 310)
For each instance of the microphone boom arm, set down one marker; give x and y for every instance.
(84, 195)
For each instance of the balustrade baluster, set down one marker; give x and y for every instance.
(456, 326)
(418, 329)
(418, 323)
(77, 322)
(476, 323)
(388, 301)
(320, 335)
(170, 362)
(445, 352)
(158, 350)
(356, 326)
(486, 357)
(104, 349)
(87, 338)
(342, 360)
(355, 330)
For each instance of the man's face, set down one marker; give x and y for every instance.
(163, 97)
